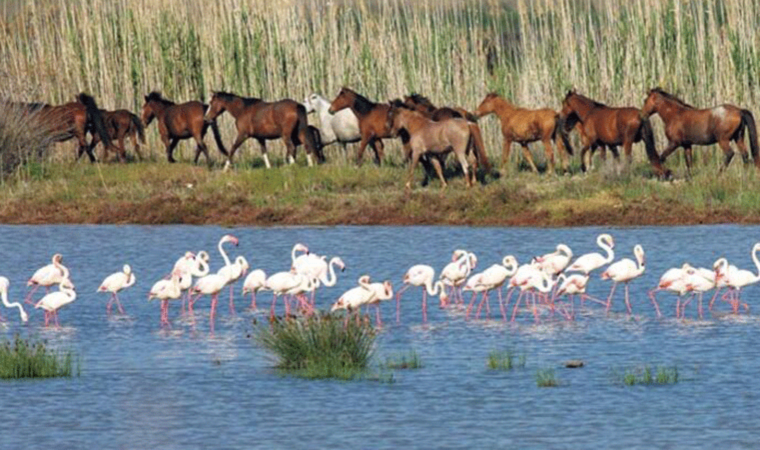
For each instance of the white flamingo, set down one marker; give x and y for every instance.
(234, 272)
(54, 301)
(165, 290)
(4, 285)
(491, 278)
(698, 281)
(213, 283)
(592, 261)
(673, 280)
(47, 276)
(355, 297)
(253, 283)
(283, 283)
(557, 261)
(624, 271)
(317, 268)
(455, 273)
(293, 253)
(740, 278)
(191, 266)
(115, 283)
(571, 285)
(421, 275)
(529, 279)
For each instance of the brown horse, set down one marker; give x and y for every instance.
(427, 137)
(69, 121)
(686, 126)
(525, 126)
(284, 119)
(120, 124)
(178, 122)
(601, 125)
(373, 123)
(425, 106)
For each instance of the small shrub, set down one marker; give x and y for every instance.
(505, 360)
(546, 378)
(409, 361)
(22, 139)
(319, 346)
(24, 359)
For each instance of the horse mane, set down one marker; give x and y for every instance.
(157, 97)
(228, 97)
(672, 97)
(362, 104)
(398, 103)
(421, 100)
(583, 97)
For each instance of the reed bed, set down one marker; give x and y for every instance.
(320, 346)
(22, 358)
(504, 360)
(648, 375)
(546, 378)
(453, 51)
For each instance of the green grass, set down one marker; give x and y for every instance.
(648, 375)
(546, 378)
(409, 361)
(320, 346)
(21, 358)
(505, 360)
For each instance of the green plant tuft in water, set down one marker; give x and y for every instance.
(505, 360)
(408, 361)
(319, 346)
(546, 378)
(24, 359)
(646, 375)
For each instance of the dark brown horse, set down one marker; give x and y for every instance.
(373, 121)
(255, 118)
(178, 122)
(601, 125)
(121, 124)
(69, 121)
(426, 107)
(525, 126)
(686, 126)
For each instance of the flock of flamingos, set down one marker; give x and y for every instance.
(547, 284)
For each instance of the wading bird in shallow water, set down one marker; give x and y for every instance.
(592, 261)
(557, 261)
(571, 285)
(165, 290)
(54, 301)
(4, 285)
(253, 283)
(455, 273)
(284, 284)
(47, 276)
(421, 275)
(491, 278)
(624, 271)
(738, 279)
(234, 272)
(213, 284)
(115, 283)
(673, 280)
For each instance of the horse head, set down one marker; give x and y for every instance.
(344, 100)
(216, 105)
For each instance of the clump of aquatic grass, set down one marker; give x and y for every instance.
(646, 375)
(319, 346)
(22, 140)
(546, 378)
(24, 359)
(505, 360)
(407, 361)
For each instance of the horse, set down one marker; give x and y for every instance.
(285, 119)
(373, 123)
(120, 124)
(341, 127)
(68, 121)
(178, 122)
(428, 137)
(601, 125)
(525, 126)
(425, 106)
(686, 126)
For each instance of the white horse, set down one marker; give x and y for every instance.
(342, 127)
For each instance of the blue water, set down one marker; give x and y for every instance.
(146, 387)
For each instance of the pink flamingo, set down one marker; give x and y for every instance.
(739, 279)
(317, 268)
(624, 271)
(591, 261)
(421, 275)
(213, 283)
(531, 280)
(698, 281)
(673, 280)
(234, 272)
(571, 285)
(165, 290)
(4, 285)
(47, 276)
(253, 283)
(382, 292)
(54, 301)
(455, 273)
(353, 299)
(556, 262)
(492, 278)
(115, 283)
(285, 283)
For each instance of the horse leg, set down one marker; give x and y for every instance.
(439, 171)
(200, 147)
(585, 155)
(136, 143)
(505, 150)
(549, 155)
(291, 148)
(378, 147)
(412, 167)
(672, 146)
(122, 149)
(461, 155)
(170, 149)
(529, 157)
(729, 154)
(742, 149)
(241, 137)
(362, 146)
(689, 157)
(83, 145)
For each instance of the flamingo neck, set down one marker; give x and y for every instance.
(64, 270)
(755, 249)
(70, 293)
(224, 255)
(13, 305)
(331, 278)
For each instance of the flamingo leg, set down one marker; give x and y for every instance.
(714, 297)
(424, 305)
(378, 320)
(480, 305)
(609, 298)
(212, 315)
(232, 303)
(517, 305)
(652, 296)
(469, 307)
(253, 301)
(398, 302)
(118, 303)
(28, 298)
(55, 313)
(488, 304)
(501, 306)
(510, 292)
(108, 305)
(628, 300)
(535, 308)
(271, 310)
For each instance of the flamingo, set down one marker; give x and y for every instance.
(47, 276)
(382, 292)
(213, 283)
(253, 283)
(297, 248)
(317, 268)
(555, 262)
(283, 283)
(698, 281)
(115, 283)
(54, 301)
(353, 299)
(189, 266)
(421, 275)
(455, 273)
(624, 271)
(234, 272)
(166, 290)
(592, 261)
(739, 279)
(532, 280)
(571, 285)
(491, 278)
(4, 284)
(673, 280)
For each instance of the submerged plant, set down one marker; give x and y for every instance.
(504, 360)
(647, 376)
(319, 346)
(23, 359)
(408, 361)
(546, 378)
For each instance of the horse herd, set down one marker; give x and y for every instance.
(428, 133)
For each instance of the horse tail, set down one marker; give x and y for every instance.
(749, 121)
(647, 134)
(559, 128)
(95, 117)
(318, 144)
(470, 117)
(303, 130)
(139, 127)
(218, 138)
(479, 146)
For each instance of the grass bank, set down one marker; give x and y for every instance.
(159, 193)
